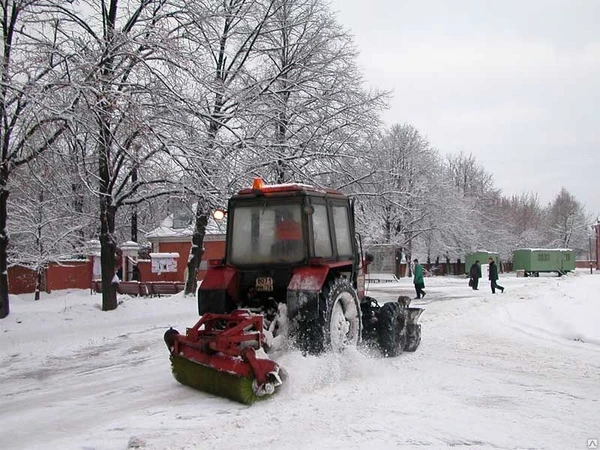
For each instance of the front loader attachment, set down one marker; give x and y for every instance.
(413, 329)
(392, 327)
(222, 355)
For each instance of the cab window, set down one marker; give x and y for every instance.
(320, 226)
(342, 230)
(267, 233)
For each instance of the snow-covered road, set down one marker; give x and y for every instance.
(519, 370)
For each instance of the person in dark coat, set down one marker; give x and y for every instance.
(493, 270)
(135, 273)
(475, 275)
(418, 279)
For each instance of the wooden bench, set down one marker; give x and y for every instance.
(132, 288)
(137, 288)
(158, 288)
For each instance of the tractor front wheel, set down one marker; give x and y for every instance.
(391, 333)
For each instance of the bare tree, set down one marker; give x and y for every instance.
(228, 36)
(567, 222)
(314, 110)
(32, 114)
(469, 177)
(398, 195)
(123, 55)
(46, 220)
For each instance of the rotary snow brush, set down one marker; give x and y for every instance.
(219, 355)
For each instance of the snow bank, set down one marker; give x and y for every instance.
(512, 370)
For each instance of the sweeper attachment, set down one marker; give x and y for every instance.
(293, 274)
(222, 354)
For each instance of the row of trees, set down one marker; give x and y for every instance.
(108, 108)
(443, 207)
(112, 110)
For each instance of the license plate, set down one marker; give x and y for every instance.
(264, 284)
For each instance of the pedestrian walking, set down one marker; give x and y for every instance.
(475, 275)
(418, 279)
(493, 270)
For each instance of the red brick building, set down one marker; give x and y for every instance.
(174, 236)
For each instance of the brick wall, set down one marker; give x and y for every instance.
(78, 274)
(21, 280)
(64, 275)
(69, 275)
(585, 264)
(212, 250)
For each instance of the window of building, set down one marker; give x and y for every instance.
(182, 219)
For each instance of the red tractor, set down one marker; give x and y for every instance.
(293, 275)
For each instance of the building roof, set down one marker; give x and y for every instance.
(166, 230)
(164, 255)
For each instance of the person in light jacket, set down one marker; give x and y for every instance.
(493, 270)
(475, 275)
(418, 279)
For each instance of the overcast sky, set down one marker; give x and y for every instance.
(515, 83)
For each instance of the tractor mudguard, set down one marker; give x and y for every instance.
(303, 292)
(214, 301)
(217, 293)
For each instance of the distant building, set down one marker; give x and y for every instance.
(174, 236)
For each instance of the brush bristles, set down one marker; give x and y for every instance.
(213, 381)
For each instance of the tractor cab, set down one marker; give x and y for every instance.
(291, 224)
(284, 242)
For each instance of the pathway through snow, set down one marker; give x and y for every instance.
(506, 371)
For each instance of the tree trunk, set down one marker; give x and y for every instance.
(388, 230)
(4, 304)
(78, 202)
(280, 179)
(38, 282)
(108, 211)
(197, 250)
(134, 213)
(409, 258)
(39, 243)
(108, 248)
(134, 224)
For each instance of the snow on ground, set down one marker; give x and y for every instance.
(519, 370)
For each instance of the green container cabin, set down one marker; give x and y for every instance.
(481, 256)
(537, 260)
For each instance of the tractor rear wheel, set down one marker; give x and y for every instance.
(343, 319)
(339, 323)
(391, 333)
